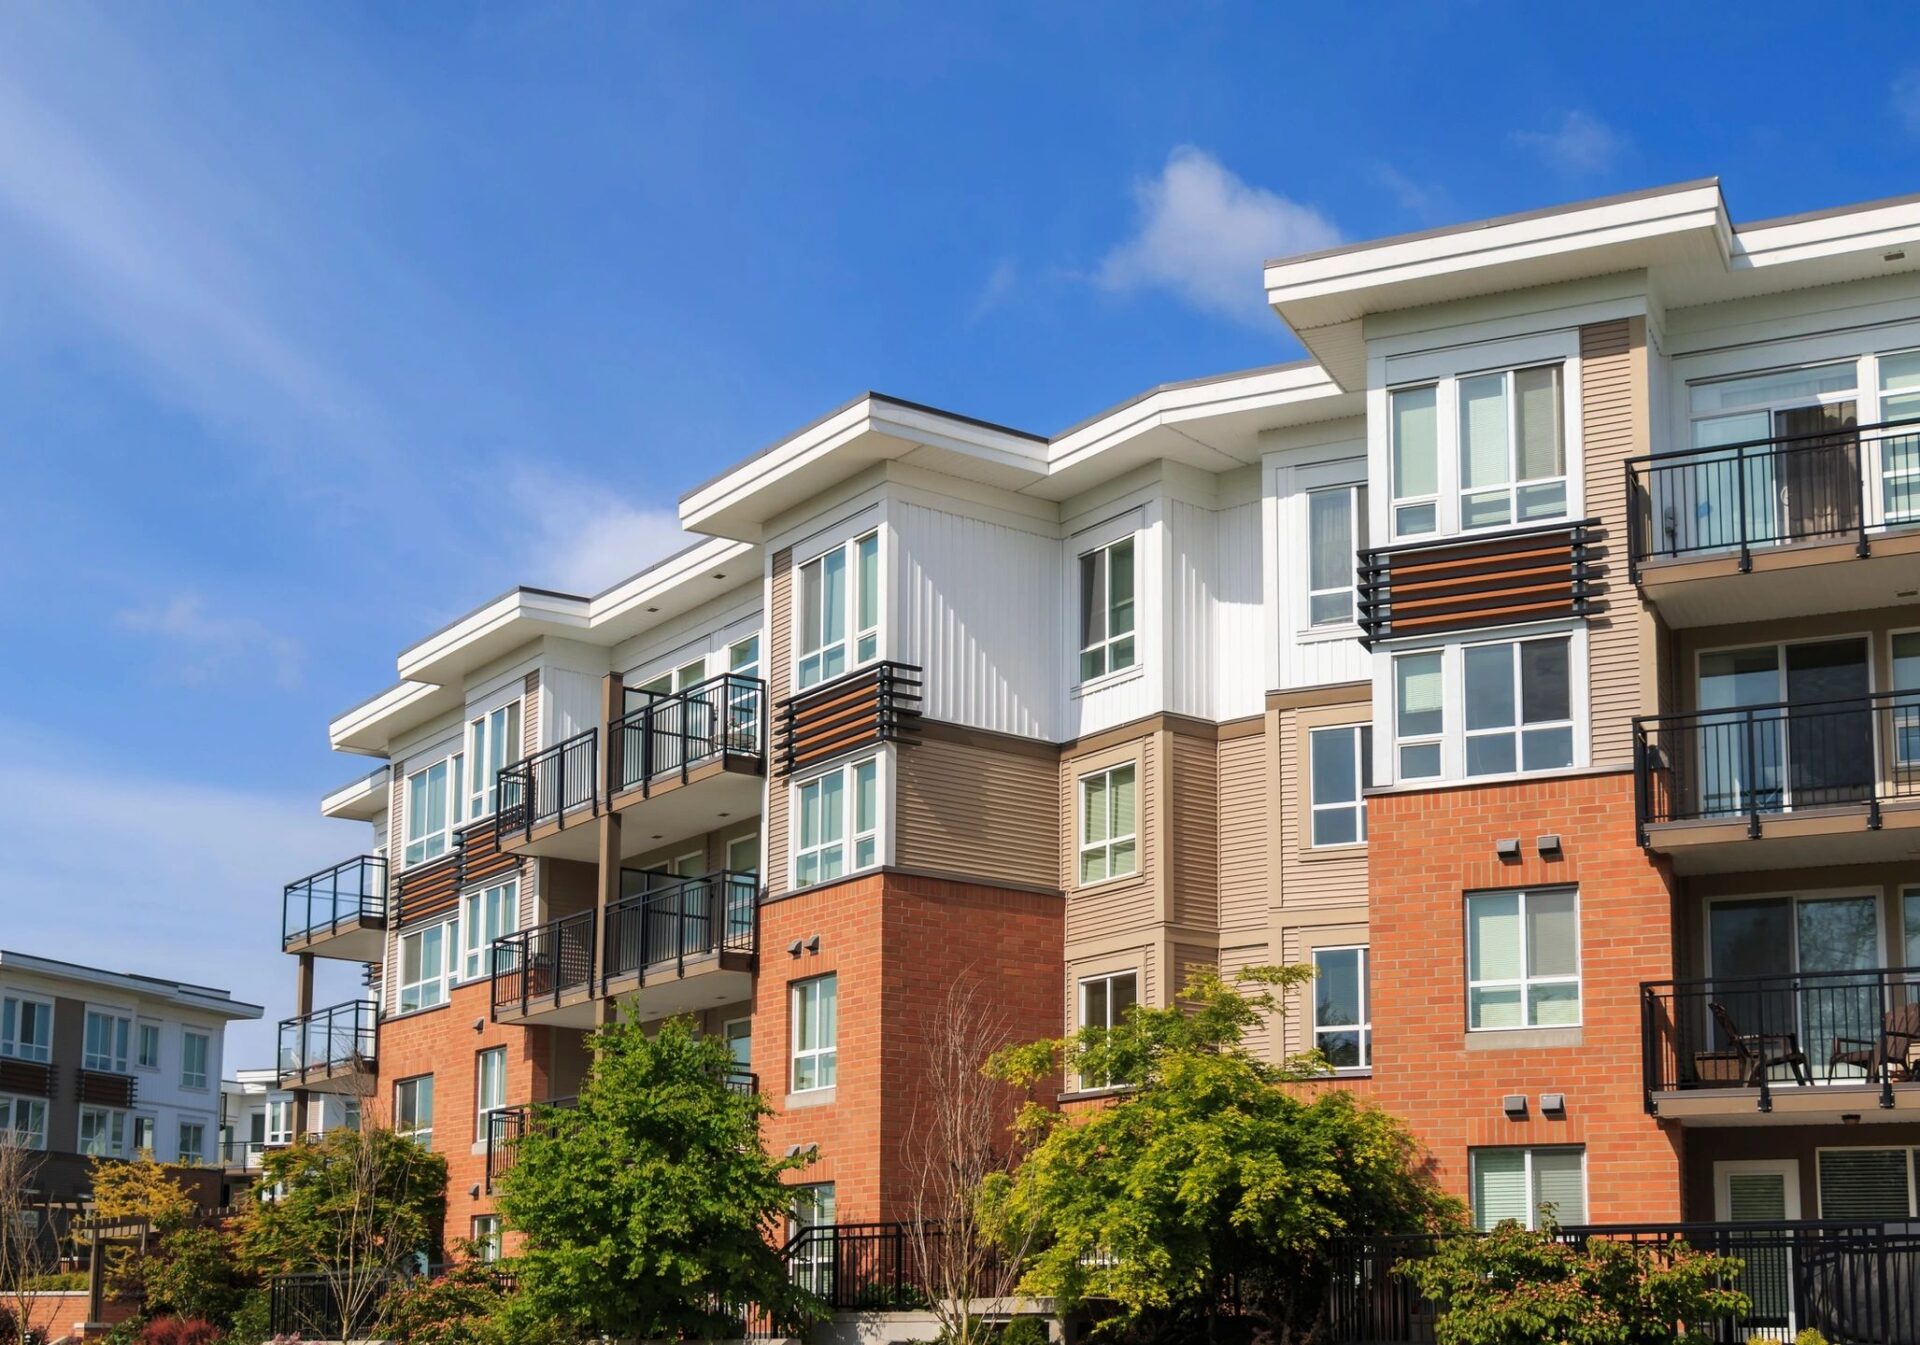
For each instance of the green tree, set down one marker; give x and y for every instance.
(1514, 1287)
(195, 1272)
(1207, 1178)
(648, 1210)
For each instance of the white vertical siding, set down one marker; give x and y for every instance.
(571, 704)
(1239, 675)
(1306, 659)
(1191, 577)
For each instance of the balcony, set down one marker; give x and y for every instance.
(330, 1050)
(544, 975)
(1781, 785)
(686, 947)
(338, 912)
(1804, 1047)
(1832, 517)
(545, 794)
(247, 1155)
(506, 1125)
(684, 762)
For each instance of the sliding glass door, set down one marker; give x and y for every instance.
(1784, 727)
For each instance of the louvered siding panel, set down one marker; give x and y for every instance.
(1309, 883)
(1243, 833)
(1194, 833)
(778, 673)
(967, 810)
(429, 890)
(1614, 427)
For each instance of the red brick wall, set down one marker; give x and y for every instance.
(1426, 850)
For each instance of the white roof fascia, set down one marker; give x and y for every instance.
(1892, 227)
(201, 998)
(556, 613)
(362, 800)
(363, 729)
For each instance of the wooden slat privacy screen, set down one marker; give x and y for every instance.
(105, 1090)
(1431, 588)
(429, 889)
(26, 1076)
(880, 703)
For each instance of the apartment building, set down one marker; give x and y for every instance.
(110, 1064)
(1536, 660)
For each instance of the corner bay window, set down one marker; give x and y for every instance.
(1108, 847)
(1342, 1008)
(835, 610)
(1527, 1185)
(1499, 708)
(1106, 609)
(1340, 768)
(815, 1008)
(1523, 959)
(433, 797)
(828, 810)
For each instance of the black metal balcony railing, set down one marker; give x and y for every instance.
(1798, 1029)
(670, 733)
(548, 785)
(505, 1127)
(538, 967)
(696, 917)
(329, 1040)
(246, 1155)
(860, 1267)
(1855, 1283)
(1831, 485)
(1758, 760)
(353, 891)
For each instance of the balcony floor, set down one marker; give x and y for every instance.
(1793, 1104)
(710, 981)
(1798, 579)
(360, 939)
(1808, 838)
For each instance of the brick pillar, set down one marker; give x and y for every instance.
(607, 849)
(302, 1005)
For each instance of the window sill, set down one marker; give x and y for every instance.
(1327, 634)
(1097, 684)
(1480, 781)
(398, 1014)
(1095, 1094)
(1320, 854)
(1105, 883)
(811, 1097)
(1523, 1038)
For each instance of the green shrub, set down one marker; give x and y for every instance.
(59, 1282)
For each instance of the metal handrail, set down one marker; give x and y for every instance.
(541, 964)
(354, 890)
(694, 918)
(548, 785)
(343, 1036)
(722, 718)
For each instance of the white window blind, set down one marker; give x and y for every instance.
(1414, 418)
(1524, 1185)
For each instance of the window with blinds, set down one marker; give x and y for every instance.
(1866, 1184)
(1523, 959)
(1528, 1185)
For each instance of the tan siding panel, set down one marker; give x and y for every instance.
(1614, 427)
(777, 671)
(530, 716)
(967, 810)
(1310, 880)
(1243, 833)
(1193, 834)
(1259, 1038)
(1189, 958)
(1108, 908)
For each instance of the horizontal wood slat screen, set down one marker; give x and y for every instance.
(1430, 588)
(880, 703)
(104, 1090)
(429, 889)
(481, 858)
(26, 1076)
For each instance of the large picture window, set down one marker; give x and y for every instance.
(493, 742)
(1519, 706)
(433, 796)
(1108, 845)
(1107, 586)
(1523, 959)
(836, 823)
(837, 625)
(1513, 459)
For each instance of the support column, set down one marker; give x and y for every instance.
(607, 848)
(302, 1005)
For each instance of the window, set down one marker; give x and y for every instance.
(193, 1060)
(743, 701)
(493, 742)
(489, 1088)
(144, 1128)
(743, 854)
(1414, 429)
(350, 1114)
(1900, 449)
(833, 611)
(1513, 460)
(811, 1264)
(1519, 703)
(1523, 959)
(815, 1027)
(279, 1120)
(1525, 1185)
(26, 1119)
(1106, 610)
(149, 1046)
(413, 1109)
(1104, 1001)
(193, 1142)
(103, 1132)
(1343, 1007)
(432, 798)
(739, 1036)
(486, 1236)
(1906, 711)
(1108, 847)
(1335, 532)
(423, 966)
(1419, 715)
(1865, 1185)
(106, 1044)
(1341, 768)
(486, 914)
(832, 808)
(26, 1029)
(743, 657)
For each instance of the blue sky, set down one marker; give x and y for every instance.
(322, 323)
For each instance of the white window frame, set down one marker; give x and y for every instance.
(1364, 1028)
(1527, 1152)
(116, 1125)
(190, 1154)
(148, 1125)
(860, 848)
(483, 1108)
(1434, 500)
(1107, 647)
(430, 978)
(825, 1055)
(1526, 981)
(1519, 728)
(142, 1031)
(419, 1134)
(1513, 483)
(858, 642)
(1345, 627)
(119, 1041)
(279, 1119)
(493, 743)
(1819, 1187)
(1361, 745)
(485, 1234)
(1106, 978)
(1105, 848)
(188, 1078)
(428, 839)
(13, 1045)
(13, 1107)
(477, 935)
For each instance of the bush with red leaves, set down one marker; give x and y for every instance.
(181, 1331)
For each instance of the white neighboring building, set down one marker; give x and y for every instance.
(256, 1115)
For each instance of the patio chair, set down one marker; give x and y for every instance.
(1753, 1054)
(1892, 1050)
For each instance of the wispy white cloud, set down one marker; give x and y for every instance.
(207, 645)
(1581, 146)
(581, 539)
(1203, 233)
(1906, 99)
(1417, 199)
(1000, 285)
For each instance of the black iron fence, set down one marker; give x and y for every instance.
(696, 917)
(352, 892)
(1855, 1283)
(506, 1125)
(548, 785)
(1800, 1029)
(669, 733)
(1831, 485)
(1753, 761)
(316, 1305)
(861, 1267)
(328, 1040)
(537, 968)
(246, 1155)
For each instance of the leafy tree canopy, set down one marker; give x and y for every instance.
(139, 1189)
(365, 1197)
(1208, 1176)
(647, 1211)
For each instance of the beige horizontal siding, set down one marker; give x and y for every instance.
(1193, 833)
(1614, 427)
(1244, 873)
(965, 809)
